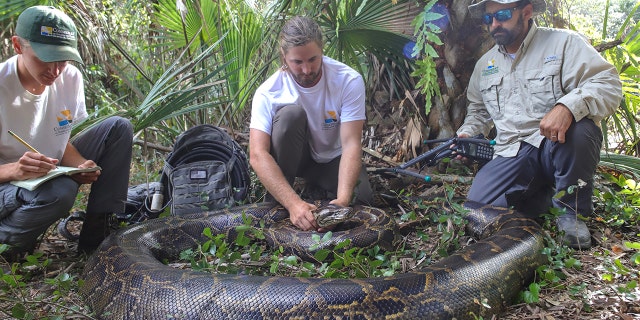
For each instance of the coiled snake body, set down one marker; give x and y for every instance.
(126, 280)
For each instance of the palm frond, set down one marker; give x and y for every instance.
(177, 90)
(626, 58)
(13, 8)
(379, 28)
(244, 39)
(621, 163)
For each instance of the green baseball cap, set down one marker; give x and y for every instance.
(51, 33)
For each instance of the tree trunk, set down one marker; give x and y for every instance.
(403, 125)
(465, 40)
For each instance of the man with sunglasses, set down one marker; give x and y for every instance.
(545, 91)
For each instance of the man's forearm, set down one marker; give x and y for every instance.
(350, 166)
(275, 182)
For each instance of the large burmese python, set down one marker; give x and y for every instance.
(126, 280)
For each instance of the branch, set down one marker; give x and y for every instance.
(152, 145)
(608, 45)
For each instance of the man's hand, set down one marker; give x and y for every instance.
(86, 177)
(459, 157)
(32, 165)
(554, 125)
(302, 217)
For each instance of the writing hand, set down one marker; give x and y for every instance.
(32, 165)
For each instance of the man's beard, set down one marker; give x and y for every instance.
(308, 80)
(507, 37)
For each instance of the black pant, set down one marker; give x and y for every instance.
(25, 215)
(290, 149)
(529, 180)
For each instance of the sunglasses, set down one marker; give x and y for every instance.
(500, 15)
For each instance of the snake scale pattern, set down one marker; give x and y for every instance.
(125, 279)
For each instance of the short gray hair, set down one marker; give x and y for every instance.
(299, 31)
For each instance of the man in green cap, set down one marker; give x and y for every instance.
(545, 91)
(41, 99)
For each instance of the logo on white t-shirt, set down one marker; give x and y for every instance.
(331, 117)
(65, 119)
(330, 121)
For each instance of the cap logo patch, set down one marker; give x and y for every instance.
(57, 33)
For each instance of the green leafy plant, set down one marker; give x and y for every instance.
(618, 208)
(450, 223)
(618, 204)
(342, 261)
(621, 269)
(248, 253)
(426, 33)
(625, 57)
(20, 302)
(551, 275)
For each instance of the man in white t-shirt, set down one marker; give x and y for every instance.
(41, 99)
(306, 121)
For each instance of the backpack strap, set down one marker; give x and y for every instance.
(232, 160)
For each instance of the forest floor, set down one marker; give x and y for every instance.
(600, 287)
(598, 283)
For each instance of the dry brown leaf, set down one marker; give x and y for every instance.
(412, 138)
(553, 302)
(617, 249)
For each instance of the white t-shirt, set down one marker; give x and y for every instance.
(338, 97)
(44, 121)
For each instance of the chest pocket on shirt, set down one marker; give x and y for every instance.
(545, 89)
(491, 90)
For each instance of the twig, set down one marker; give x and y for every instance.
(153, 145)
(380, 156)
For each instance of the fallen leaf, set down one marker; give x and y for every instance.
(617, 249)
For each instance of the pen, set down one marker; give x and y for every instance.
(23, 142)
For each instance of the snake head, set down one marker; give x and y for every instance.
(331, 214)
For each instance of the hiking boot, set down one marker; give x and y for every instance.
(576, 233)
(95, 229)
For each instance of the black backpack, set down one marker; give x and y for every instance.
(206, 170)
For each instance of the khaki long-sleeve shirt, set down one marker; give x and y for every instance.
(551, 67)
